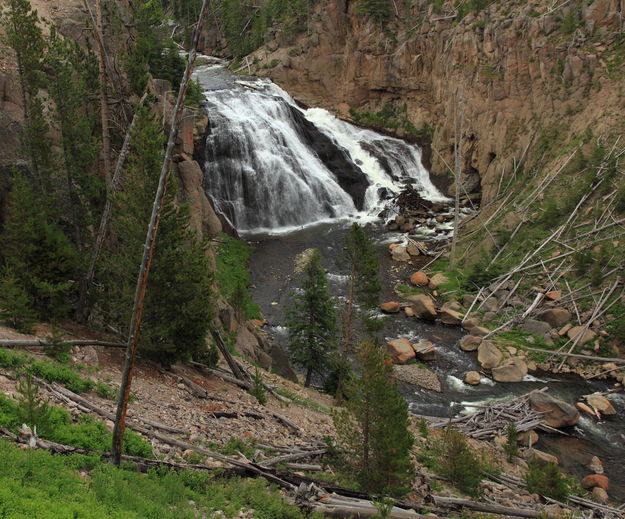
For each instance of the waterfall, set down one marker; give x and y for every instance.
(271, 166)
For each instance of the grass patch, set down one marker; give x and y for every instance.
(233, 277)
(303, 402)
(407, 290)
(39, 484)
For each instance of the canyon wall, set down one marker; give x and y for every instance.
(520, 75)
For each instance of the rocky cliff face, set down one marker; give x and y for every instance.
(525, 76)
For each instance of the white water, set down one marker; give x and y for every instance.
(265, 177)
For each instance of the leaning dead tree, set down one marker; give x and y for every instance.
(148, 252)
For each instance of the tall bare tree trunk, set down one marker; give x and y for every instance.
(458, 145)
(148, 252)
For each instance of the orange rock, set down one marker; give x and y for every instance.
(390, 308)
(596, 480)
(400, 350)
(554, 295)
(419, 278)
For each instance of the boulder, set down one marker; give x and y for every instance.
(470, 323)
(399, 253)
(491, 304)
(541, 457)
(391, 307)
(556, 317)
(423, 306)
(419, 278)
(586, 409)
(596, 465)
(599, 495)
(601, 404)
(587, 336)
(489, 317)
(507, 373)
(479, 331)
(596, 480)
(520, 363)
(450, 316)
(467, 300)
(408, 311)
(472, 378)
(488, 355)
(540, 328)
(400, 350)
(554, 295)
(418, 376)
(557, 412)
(437, 280)
(528, 438)
(425, 350)
(470, 343)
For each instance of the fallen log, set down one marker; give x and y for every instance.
(577, 356)
(303, 467)
(360, 510)
(24, 343)
(292, 457)
(449, 502)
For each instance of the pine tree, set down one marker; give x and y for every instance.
(373, 428)
(179, 301)
(312, 321)
(16, 308)
(363, 285)
(37, 253)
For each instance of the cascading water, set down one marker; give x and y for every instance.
(272, 167)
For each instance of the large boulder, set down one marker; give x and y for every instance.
(556, 317)
(489, 355)
(601, 404)
(599, 495)
(491, 304)
(557, 412)
(391, 307)
(472, 378)
(399, 253)
(596, 480)
(528, 438)
(479, 331)
(423, 306)
(540, 328)
(541, 457)
(470, 343)
(400, 350)
(585, 337)
(450, 316)
(425, 350)
(419, 278)
(507, 373)
(437, 280)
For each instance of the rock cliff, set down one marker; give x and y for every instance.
(524, 75)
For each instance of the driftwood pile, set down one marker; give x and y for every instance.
(493, 420)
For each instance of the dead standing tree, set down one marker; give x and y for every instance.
(148, 252)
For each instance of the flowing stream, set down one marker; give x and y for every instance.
(292, 179)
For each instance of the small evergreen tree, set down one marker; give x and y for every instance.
(312, 321)
(16, 308)
(373, 428)
(511, 446)
(32, 411)
(37, 253)
(546, 480)
(363, 285)
(258, 389)
(458, 462)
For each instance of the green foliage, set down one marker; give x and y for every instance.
(458, 462)
(258, 390)
(232, 275)
(311, 321)
(480, 273)
(616, 325)
(373, 428)
(465, 7)
(391, 118)
(56, 347)
(546, 480)
(31, 410)
(57, 487)
(582, 260)
(569, 24)
(511, 446)
(422, 424)
(36, 254)
(379, 10)
(16, 307)
(178, 303)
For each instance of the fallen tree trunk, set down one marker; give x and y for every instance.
(490, 508)
(292, 457)
(577, 356)
(24, 343)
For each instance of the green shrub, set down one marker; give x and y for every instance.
(258, 390)
(511, 446)
(458, 462)
(546, 480)
(480, 273)
(56, 347)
